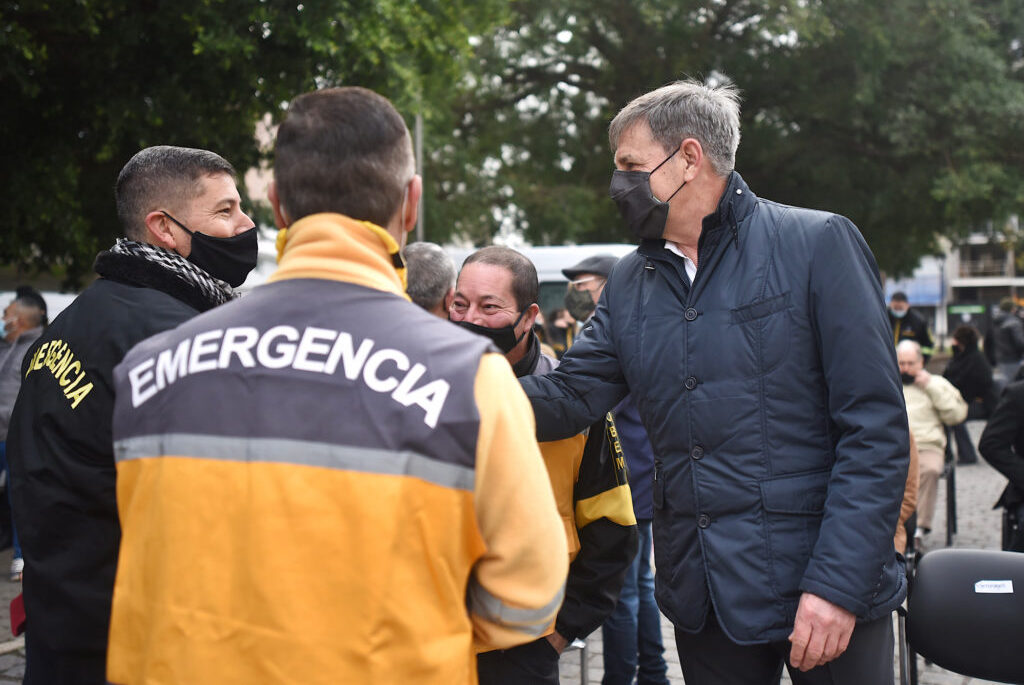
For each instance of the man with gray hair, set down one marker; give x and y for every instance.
(186, 243)
(431, 277)
(777, 423)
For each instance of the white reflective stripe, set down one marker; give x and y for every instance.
(532, 622)
(299, 452)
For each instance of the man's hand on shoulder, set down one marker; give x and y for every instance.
(821, 632)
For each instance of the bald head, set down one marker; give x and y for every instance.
(910, 358)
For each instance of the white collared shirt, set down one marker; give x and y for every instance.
(691, 268)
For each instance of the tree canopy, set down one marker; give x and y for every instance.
(903, 116)
(87, 83)
(907, 117)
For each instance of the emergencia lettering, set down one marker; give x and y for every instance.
(56, 356)
(315, 350)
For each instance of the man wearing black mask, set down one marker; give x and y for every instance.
(496, 296)
(778, 426)
(932, 404)
(186, 243)
(586, 281)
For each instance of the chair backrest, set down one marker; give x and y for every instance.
(966, 612)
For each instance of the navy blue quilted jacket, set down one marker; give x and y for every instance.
(770, 392)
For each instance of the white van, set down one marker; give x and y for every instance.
(550, 260)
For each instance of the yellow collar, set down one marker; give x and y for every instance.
(336, 247)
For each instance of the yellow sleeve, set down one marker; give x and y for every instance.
(518, 584)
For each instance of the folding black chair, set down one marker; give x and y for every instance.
(908, 659)
(1011, 528)
(949, 473)
(966, 612)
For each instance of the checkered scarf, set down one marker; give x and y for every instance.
(213, 289)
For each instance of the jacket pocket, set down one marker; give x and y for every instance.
(794, 506)
(801, 494)
(765, 327)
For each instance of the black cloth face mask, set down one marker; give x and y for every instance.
(644, 214)
(907, 378)
(229, 259)
(504, 338)
(580, 304)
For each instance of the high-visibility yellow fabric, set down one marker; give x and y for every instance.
(262, 572)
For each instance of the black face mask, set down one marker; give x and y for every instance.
(504, 338)
(229, 259)
(643, 213)
(580, 304)
(907, 378)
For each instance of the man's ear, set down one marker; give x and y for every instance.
(412, 205)
(158, 231)
(691, 152)
(275, 203)
(530, 315)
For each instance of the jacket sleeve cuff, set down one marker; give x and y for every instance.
(569, 632)
(837, 597)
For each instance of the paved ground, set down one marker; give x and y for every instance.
(978, 487)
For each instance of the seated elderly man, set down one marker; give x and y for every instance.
(496, 297)
(932, 404)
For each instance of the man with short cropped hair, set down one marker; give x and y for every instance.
(187, 242)
(431, 275)
(345, 489)
(908, 324)
(496, 297)
(753, 338)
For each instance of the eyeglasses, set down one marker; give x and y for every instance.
(575, 285)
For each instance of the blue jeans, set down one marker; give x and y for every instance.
(14, 531)
(632, 633)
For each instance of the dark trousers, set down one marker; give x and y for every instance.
(965, 451)
(633, 650)
(711, 658)
(535, 663)
(46, 666)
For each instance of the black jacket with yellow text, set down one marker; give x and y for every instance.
(588, 477)
(60, 449)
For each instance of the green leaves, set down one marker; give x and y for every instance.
(904, 116)
(93, 81)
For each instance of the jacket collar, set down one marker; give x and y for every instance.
(528, 364)
(734, 206)
(338, 248)
(136, 270)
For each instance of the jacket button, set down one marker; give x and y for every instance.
(697, 452)
(690, 314)
(690, 383)
(703, 521)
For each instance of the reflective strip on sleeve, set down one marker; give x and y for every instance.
(531, 622)
(298, 452)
